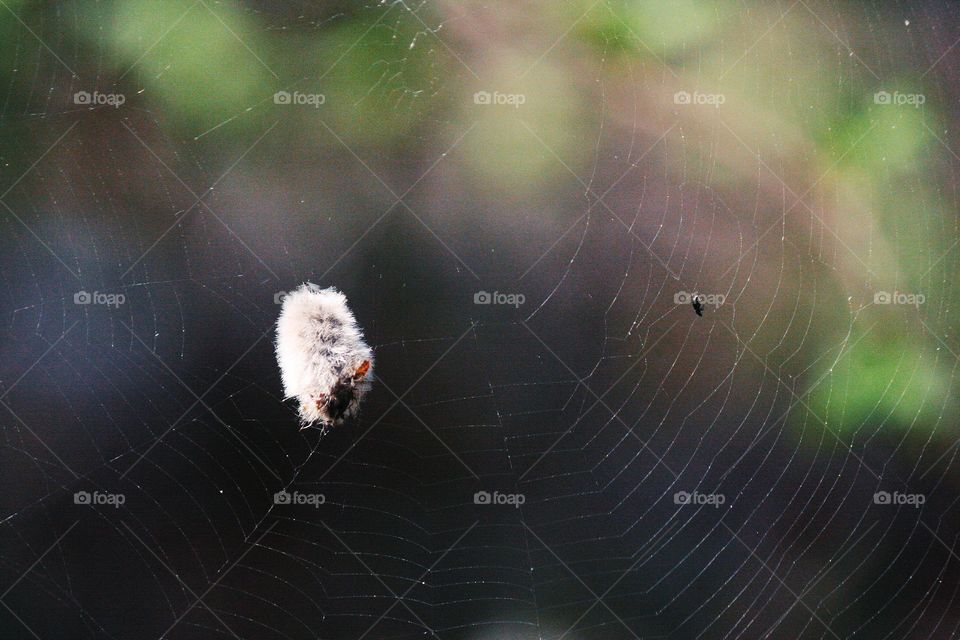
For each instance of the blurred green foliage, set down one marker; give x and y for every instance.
(381, 83)
(889, 379)
(208, 63)
(200, 68)
(647, 27)
(878, 140)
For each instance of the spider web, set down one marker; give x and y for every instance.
(595, 402)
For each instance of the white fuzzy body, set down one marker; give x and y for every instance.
(318, 346)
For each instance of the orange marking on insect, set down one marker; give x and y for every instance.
(362, 370)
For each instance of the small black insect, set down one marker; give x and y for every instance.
(697, 305)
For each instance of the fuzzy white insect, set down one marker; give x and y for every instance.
(324, 362)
